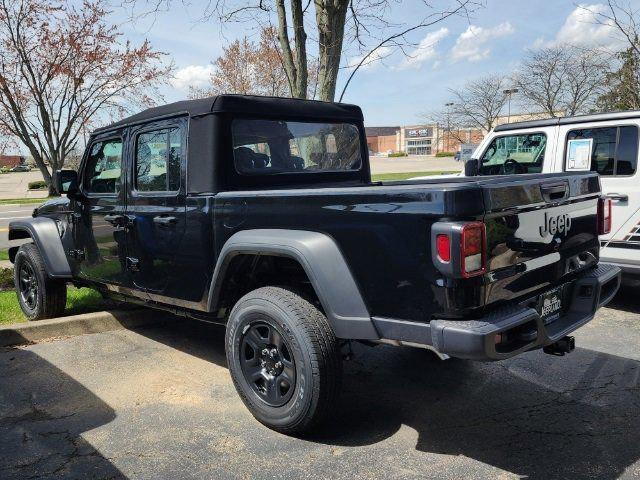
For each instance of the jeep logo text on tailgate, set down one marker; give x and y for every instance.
(555, 224)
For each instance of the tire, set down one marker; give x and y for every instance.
(297, 396)
(49, 297)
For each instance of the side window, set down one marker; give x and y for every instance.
(104, 164)
(627, 153)
(514, 154)
(157, 161)
(607, 150)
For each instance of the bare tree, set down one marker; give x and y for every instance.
(361, 24)
(622, 17)
(562, 80)
(451, 123)
(235, 71)
(479, 103)
(8, 143)
(622, 86)
(247, 67)
(59, 66)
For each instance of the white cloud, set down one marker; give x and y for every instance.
(581, 28)
(426, 49)
(472, 44)
(192, 76)
(372, 60)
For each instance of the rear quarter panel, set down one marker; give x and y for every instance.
(383, 233)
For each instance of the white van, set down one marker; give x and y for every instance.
(606, 143)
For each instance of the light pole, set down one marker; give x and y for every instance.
(509, 92)
(448, 105)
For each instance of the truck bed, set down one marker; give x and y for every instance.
(383, 229)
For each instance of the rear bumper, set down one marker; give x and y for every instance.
(476, 339)
(630, 271)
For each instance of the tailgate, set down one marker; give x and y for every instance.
(541, 229)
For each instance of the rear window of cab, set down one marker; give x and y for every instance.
(271, 147)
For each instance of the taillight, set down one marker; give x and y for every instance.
(443, 247)
(472, 249)
(604, 216)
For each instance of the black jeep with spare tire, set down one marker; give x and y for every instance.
(260, 214)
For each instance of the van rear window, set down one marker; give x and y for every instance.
(614, 150)
(268, 147)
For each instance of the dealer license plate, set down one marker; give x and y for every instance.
(550, 305)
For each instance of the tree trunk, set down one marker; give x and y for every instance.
(330, 17)
(295, 64)
(300, 38)
(53, 184)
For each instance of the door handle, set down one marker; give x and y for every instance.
(620, 197)
(115, 220)
(164, 221)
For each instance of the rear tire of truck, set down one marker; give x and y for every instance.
(284, 359)
(39, 295)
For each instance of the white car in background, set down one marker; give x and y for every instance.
(606, 143)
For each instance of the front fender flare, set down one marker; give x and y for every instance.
(45, 235)
(323, 263)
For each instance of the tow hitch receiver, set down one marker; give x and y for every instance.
(561, 347)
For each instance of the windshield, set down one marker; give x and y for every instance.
(263, 147)
(514, 154)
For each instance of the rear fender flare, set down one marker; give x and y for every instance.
(44, 233)
(323, 263)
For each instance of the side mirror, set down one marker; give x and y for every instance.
(471, 167)
(67, 181)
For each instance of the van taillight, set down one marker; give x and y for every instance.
(472, 249)
(604, 216)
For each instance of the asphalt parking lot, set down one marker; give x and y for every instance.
(159, 403)
(9, 213)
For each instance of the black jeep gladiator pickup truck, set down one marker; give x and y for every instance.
(260, 214)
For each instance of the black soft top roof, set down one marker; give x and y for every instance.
(246, 105)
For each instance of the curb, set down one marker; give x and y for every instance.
(96, 322)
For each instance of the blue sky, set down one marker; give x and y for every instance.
(396, 90)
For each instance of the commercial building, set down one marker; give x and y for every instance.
(430, 139)
(419, 139)
(10, 161)
(383, 139)
(427, 139)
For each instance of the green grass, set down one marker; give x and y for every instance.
(381, 177)
(79, 300)
(4, 255)
(23, 201)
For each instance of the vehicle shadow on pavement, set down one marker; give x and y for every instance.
(626, 299)
(43, 413)
(536, 415)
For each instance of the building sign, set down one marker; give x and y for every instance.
(419, 132)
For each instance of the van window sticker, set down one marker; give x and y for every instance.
(579, 154)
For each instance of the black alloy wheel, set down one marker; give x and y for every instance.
(39, 295)
(267, 363)
(28, 284)
(284, 359)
